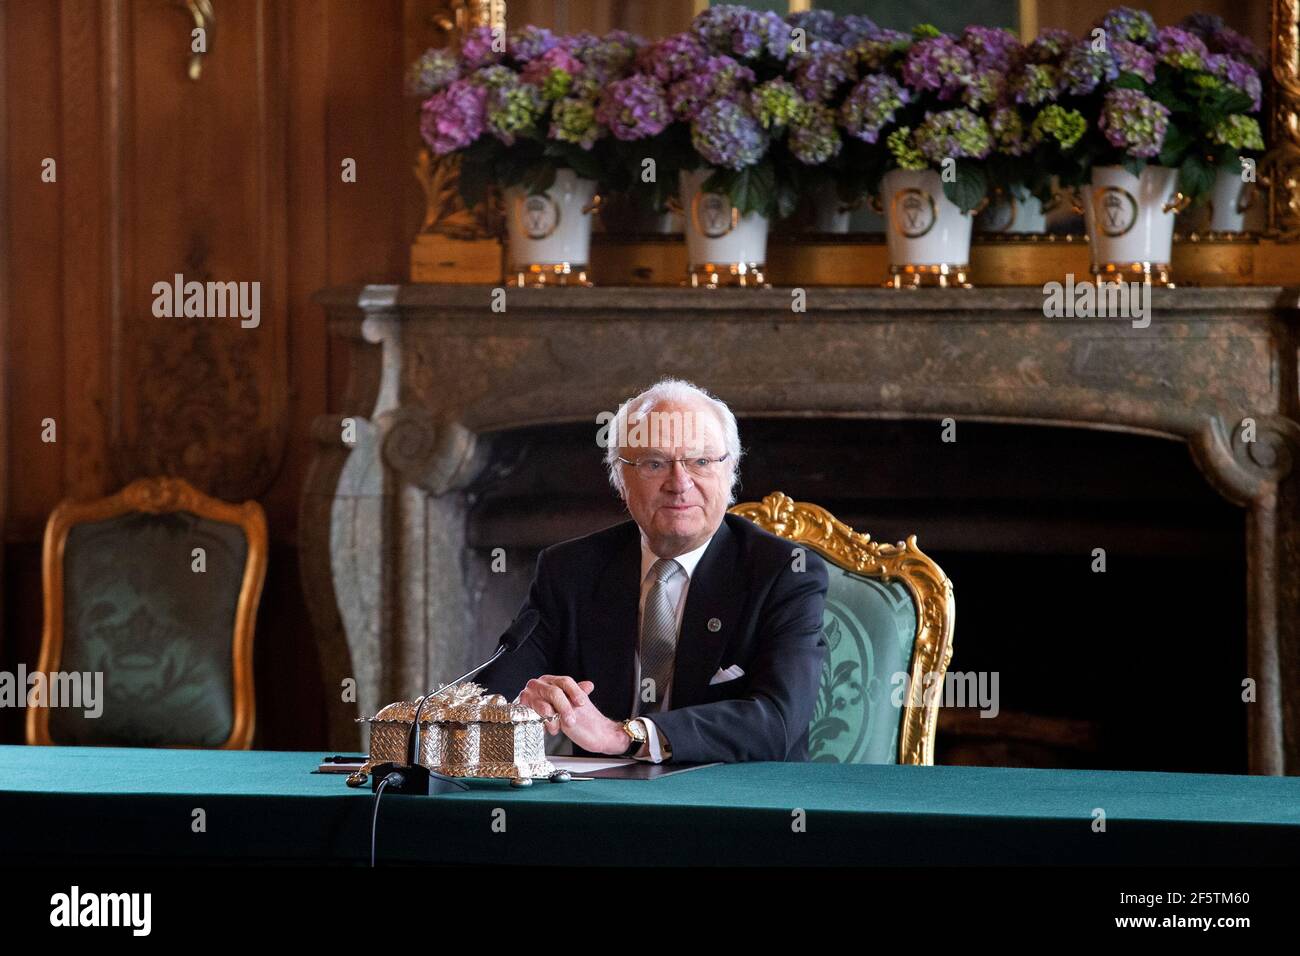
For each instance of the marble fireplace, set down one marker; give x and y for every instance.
(467, 443)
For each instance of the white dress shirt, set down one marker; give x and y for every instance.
(657, 747)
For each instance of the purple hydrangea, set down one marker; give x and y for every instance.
(454, 118)
(1237, 74)
(635, 107)
(672, 57)
(1009, 131)
(820, 72)
(577, 43)
(1221, 38)
(725, 134)
(530, 42)
(817, 24)
(877, 47)
(1181, 48)
(871, 105)
(853, 27)
(1049, 46)
(433, 71)
(611, 55)
(718, 77)
(993, 48)
(1134, 122)
(1125, 23)
(938, 63)
(742, 32)
(480, 48)
(1084, 68)
(498, 74)
(1134, 58)
(1231, 42)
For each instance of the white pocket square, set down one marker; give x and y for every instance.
(727, 673)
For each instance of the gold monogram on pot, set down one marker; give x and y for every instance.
(914, 212)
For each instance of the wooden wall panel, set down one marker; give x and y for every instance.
(656, 19)
(200, 398)
(34, 349)
(234, 177)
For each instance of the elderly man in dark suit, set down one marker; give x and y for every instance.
(685, 634)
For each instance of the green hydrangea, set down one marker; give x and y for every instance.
(926, 31)
(574, 121)
(1238, 131)
(585, 87)
(905, 153)
(1037, 83)
(1008, 131)
(513, 109)
(776, 103)
(494, 76)
(557, 84)
(1065, 126)
(813, 136)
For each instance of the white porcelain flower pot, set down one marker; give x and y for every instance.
(1130, 221)
(549, 234)
(1016, 213)
(829, 213)
(722, 246)
(1235, 205)
(928, 237)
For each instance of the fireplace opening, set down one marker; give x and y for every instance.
(1137, 666)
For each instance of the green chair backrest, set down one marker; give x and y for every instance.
(870, 626)
(159, 631)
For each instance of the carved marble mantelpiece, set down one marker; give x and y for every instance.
(437, 372)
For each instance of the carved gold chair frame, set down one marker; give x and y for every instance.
(158, 496)
(936, 609)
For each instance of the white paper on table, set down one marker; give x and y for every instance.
(588, 764)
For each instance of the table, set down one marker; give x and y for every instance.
(118, 805)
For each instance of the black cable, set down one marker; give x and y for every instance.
(396, 779)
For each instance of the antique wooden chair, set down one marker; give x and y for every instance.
(889, 611)
(156, 588)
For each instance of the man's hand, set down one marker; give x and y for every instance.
(565, 701)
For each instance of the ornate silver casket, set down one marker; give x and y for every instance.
(464, 733)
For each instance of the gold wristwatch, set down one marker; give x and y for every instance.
(635, 729)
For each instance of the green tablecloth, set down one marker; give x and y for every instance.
(67, 804)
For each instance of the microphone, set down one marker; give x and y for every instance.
(412, 778)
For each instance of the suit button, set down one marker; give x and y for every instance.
(714, 625)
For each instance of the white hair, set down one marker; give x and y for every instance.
(678, 392)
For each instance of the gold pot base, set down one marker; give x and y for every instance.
(714, 275)
(1156, 273)
(942, 275)
(539, 275)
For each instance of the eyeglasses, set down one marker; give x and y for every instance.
(653, 467)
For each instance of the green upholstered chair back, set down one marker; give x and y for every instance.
(869, 626)
(889, 613)
(152, 607)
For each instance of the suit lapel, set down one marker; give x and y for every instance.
(712, 594)
(610, 643)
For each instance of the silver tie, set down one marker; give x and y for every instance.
(658, 635)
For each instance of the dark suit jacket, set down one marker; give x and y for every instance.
(588, 591)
